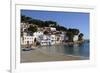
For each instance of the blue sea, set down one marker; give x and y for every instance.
(82, 50)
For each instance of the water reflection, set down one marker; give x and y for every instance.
(75, 50)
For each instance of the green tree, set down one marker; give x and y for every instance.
(61, 28)
(80, 37)
(26, 19)
(50, 23)
(70, 36)
(74, 31)
(23, 18)
(32, 29)
(71, 32)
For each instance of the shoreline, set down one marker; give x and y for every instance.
(38, 56)
(67, 43)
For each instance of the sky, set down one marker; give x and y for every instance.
(78, 20)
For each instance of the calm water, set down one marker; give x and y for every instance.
(76, 50)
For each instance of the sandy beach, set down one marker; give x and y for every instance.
(38, 56)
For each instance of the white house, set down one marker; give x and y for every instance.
(45, 40)
(53, 39)
(24, 26)
(48, 40)
(27, 39)
(38, 33)
(75, 38)
(57, 39)
(62, 36)
(52, 29)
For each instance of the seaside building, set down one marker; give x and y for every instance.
(52, 29)
(52, 36)
(45, 40)
(48, 40)
(38, 33)
(30, 38)
(49, 29)
(57, 39)
(24, 26)
(75, 38)
(53, 39)
(27, 39)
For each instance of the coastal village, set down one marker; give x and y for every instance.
(47, 39)
(33, 35)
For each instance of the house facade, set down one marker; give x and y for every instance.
(27, 39)
(30, 38)
(53, 37)
(45, 40)
(75, 38)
